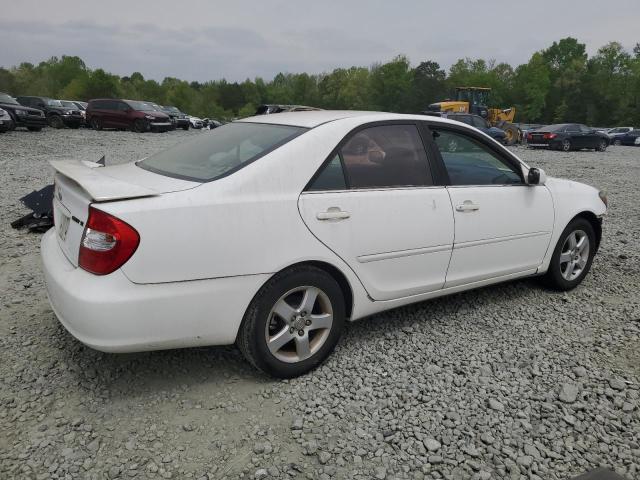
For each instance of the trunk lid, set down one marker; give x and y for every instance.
(79, 184)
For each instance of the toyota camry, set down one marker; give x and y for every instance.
(271, 232)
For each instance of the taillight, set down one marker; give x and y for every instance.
(549, 136)
(107, 243)
(529, 136)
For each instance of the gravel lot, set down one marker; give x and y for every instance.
(509, 381)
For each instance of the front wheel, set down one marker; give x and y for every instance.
(140, 125)
(185, 127)
(56, 121)
(566, 145)
(572, 256)
(96, 124)
(293, 323)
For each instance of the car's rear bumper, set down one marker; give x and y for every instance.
(112, 314)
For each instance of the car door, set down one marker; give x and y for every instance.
(576, 137)
(502, 226)
(590, 136)
(378, 204)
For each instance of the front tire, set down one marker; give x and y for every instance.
(572, 257)
(140, 126)
(96, 124)
(566, 145)
(55, 121)
(293, 323)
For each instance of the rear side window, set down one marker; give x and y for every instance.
(220, 152)
(378, 157)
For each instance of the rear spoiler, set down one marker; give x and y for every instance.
(94, 179)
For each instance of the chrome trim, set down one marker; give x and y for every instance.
(486, 241)
(375, 257)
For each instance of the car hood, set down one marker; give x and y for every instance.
(20, 107)
(158, 115)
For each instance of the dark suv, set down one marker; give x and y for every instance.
(179, 119)
(58, 116)
(126, 114)
(22, 116)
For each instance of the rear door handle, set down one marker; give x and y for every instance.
(468, 206)
(333, 213)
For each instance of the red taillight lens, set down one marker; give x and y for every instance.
(107, 243)
(529, 136)
(550, 136)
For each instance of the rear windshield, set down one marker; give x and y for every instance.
(220, 152)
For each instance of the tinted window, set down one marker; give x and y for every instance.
(331, 177)
(572, 128)
(122, 106)
(221, 151)
(585, 129)
(386, 156)
(469, 162)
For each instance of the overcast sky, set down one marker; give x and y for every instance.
(235, 39)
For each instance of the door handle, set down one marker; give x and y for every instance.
(333, 213)
(468, 206)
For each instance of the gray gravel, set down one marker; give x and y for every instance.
(510, 381)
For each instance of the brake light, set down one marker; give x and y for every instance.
(107, 243)
(550, 136)
(529, 136)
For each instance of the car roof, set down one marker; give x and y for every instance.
(311, 119)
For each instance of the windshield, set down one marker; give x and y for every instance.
(141, 106)
(220, 152)
(54, 103)
(171, 109)
(4, 98)
(68, 104)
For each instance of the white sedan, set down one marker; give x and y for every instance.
(273, 231)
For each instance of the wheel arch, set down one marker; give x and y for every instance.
(595, 222)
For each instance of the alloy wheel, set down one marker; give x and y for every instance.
(574, 255)
(566, 145)
(299, 324)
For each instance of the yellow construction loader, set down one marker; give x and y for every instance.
(474, 100)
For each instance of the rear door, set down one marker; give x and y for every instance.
(502, 226)
(378, 205)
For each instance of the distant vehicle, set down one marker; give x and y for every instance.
(568, 136)
(478, 122)
(6, 122)
(72, 104)
(615, 134)
(126, 114)
(631, 138)
(273, 108)
(180, 119)
(195, 122)
(212, 123)
(262, 250)
(58, 116)
(31, 118)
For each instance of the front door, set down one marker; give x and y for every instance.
(502, 225)
(376, 205)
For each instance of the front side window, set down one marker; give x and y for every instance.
(221, 151)
(141, 106)
(585, 129)
(572, 128)
(469, 162)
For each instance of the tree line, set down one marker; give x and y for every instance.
(561, 83)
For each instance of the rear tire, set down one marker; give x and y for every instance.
(571, 260)
(602, 146)
(293, 323)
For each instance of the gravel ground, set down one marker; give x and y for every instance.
(509, 381)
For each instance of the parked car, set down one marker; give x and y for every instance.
(58, 116)
(616, 133)
(212, 123)
(6, 122)
(246, 234)
(31, 118)
(195, 122)
(277, 108)
(481, 124)
(179, 119)
(568, 136)
(126, 114)
(631, 138)
(72, 104)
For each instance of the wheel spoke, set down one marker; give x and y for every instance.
(324, 320)
(582, 244)
(308, 300)
(303, 349)
(279, 340)
(572, 240)
(565, 257)
(284, 310)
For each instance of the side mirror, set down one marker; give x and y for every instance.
(536, 176)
